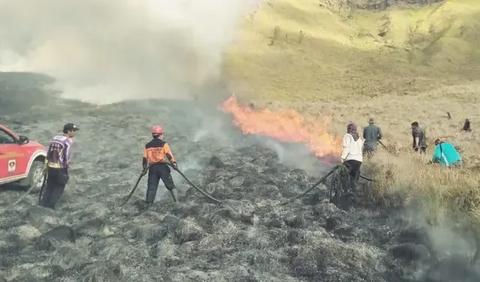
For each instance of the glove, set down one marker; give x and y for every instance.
(144, 171)
(175, 165)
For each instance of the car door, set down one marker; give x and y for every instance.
(9, 157)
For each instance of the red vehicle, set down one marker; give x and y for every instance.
(21, 160)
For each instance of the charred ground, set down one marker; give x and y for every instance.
(253, 238)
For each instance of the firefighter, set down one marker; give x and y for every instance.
(57, 162)
(155, 156)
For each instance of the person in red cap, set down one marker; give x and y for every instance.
(155, 156)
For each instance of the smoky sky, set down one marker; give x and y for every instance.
(106, 51)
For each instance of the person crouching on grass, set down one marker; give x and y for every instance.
(445, 154)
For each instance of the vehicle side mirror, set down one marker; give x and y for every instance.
(22, 140)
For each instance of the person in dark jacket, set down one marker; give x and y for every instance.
(59, 156)
(155, 156)
(419, 138)
(372, 134)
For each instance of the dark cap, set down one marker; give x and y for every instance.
(69, 127)
(439, 141)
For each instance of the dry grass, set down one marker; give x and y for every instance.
(329, 60)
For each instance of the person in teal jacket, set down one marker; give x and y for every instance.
(446, 154)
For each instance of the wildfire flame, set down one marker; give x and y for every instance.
(284, 125)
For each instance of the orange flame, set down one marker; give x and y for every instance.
(284, 125)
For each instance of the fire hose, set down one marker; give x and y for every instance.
(314, 185)
(321, 180)
(184, 177)
(30, 190)
(133, 190)
(44, 184)
(200, 190)
(385, 147)
(193, 185)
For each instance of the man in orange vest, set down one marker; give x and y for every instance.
(155, 156)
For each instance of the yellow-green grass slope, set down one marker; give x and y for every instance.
(400, 65)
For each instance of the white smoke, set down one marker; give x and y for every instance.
(279, 149)
(105, 51)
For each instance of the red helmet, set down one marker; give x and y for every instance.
(157, 129)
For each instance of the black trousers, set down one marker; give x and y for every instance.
(353, 175)
(155, 173)
(57, 179)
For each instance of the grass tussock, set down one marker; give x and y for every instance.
(398, 65)
(440, 189)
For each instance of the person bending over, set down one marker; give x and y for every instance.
(445, 154)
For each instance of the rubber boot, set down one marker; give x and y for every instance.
(174, 194)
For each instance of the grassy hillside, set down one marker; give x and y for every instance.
(298, 50)
(399, 65)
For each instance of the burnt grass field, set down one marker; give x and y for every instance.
(251, 237)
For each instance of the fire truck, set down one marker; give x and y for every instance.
(21, 160)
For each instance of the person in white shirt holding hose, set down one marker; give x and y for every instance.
(352, 156)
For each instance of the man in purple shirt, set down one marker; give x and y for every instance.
(58, 159)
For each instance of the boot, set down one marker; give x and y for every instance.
(174, 194)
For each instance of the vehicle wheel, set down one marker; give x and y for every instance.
(34, 178)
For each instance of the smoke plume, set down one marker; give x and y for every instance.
(105, 51)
